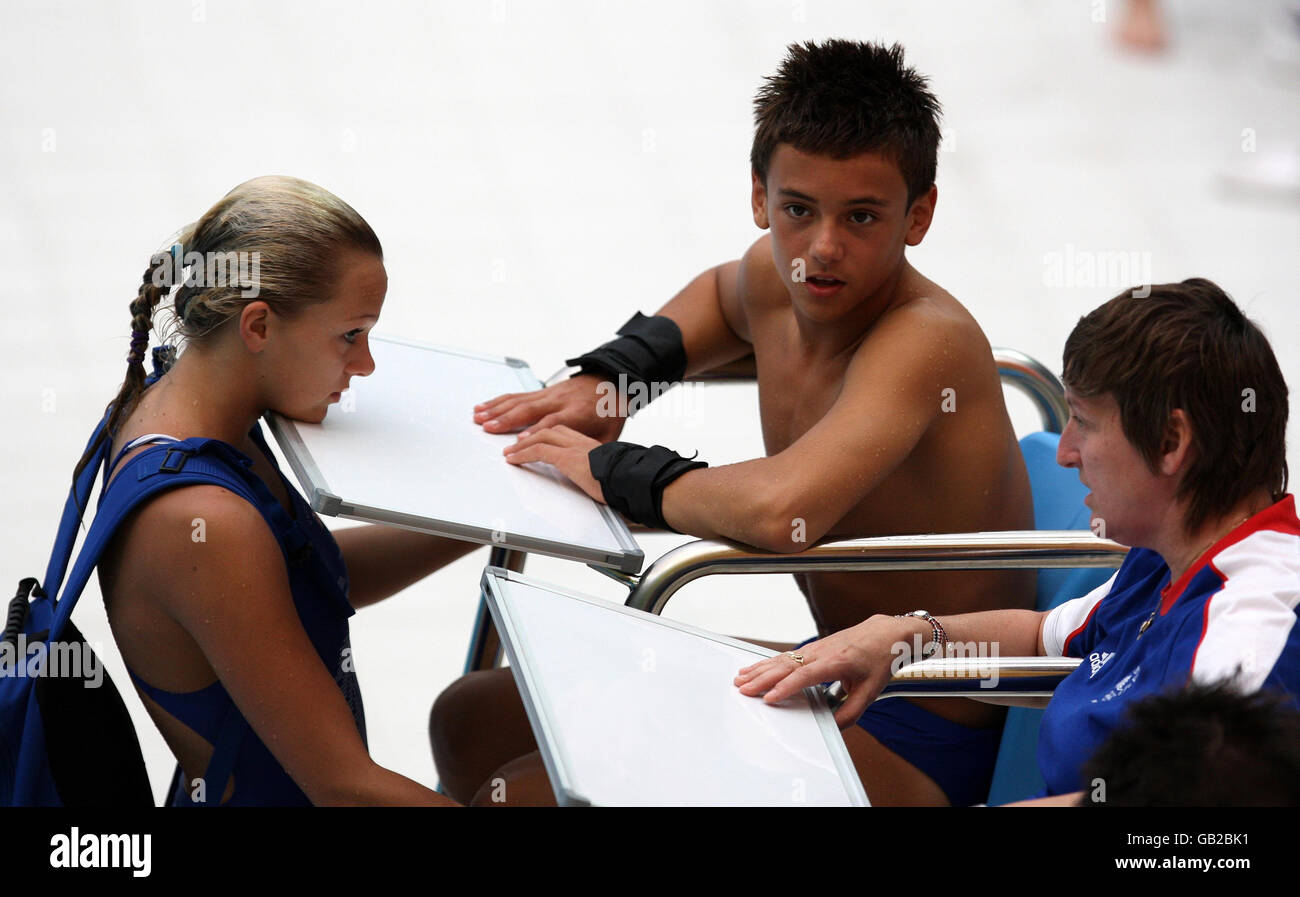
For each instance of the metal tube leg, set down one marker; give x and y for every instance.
(484, 643)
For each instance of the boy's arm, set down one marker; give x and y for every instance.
(711, 317)
(892, 392)
(709, 313)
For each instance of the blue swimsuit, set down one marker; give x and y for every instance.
(319, 582)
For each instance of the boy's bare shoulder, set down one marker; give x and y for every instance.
(928, 326)
(760, 286)
(750, 287)
(925, 304)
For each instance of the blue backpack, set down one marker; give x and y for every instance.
(66, 738)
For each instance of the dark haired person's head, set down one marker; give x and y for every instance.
(280, 274)
(1202, 746)
(1200, 401)
(845, 98)
(843, 167)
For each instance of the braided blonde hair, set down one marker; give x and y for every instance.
(295, 231)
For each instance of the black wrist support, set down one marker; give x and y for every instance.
(648, 350)
(633, 478)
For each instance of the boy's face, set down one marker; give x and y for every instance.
(838, 226)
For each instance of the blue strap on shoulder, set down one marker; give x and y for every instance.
(152, 471)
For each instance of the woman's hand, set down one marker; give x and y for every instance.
(858, 658)
(563, 448)
(581, 403)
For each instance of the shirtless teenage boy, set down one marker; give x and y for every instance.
(882, 413)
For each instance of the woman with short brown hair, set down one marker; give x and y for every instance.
(1178, 414)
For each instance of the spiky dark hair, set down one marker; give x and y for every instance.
(843, 98)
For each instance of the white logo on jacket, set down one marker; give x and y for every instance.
(1098, 661)
(1121, 686)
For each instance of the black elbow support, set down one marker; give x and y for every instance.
(647, 350)
(633, 478)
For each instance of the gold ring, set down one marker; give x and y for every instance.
(795, 656)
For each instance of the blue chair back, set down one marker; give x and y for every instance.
(1058, 504)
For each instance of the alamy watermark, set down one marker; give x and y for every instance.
(75, 660)
(628, 397)
(1089, 268)
(907, 653)
(210, 269)
(78, 850)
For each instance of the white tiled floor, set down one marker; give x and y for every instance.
(537, 171)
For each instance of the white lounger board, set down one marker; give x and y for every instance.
(403, 449)
(630, 709)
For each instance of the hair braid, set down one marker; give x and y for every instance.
(142, 307)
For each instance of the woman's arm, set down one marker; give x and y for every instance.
(383, 560)
(231, 594)
(861, 657)
(1073, 799)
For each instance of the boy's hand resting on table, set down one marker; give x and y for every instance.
(576, 403)
(859, 658)
(561, 447)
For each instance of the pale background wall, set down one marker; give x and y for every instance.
(537, 171)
